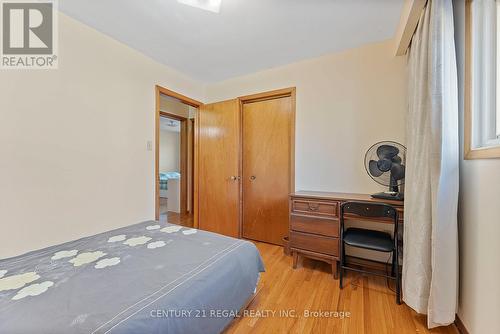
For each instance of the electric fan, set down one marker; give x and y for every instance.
(385, 163)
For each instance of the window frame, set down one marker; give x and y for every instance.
(489, 148)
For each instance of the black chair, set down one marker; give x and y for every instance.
(370, 239)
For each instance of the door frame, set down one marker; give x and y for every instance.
(159, 90)
(269, 95)
(183, 158)
(191, 135)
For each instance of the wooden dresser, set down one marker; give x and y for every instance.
(314, 223)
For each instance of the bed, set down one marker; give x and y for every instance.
(144, 278)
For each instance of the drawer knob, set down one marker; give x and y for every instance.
(313, 207)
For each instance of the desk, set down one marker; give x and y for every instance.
(314, 223)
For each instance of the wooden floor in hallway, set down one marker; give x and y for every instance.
(184, 219)
(177, 218)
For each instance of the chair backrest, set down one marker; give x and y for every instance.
(369, 210)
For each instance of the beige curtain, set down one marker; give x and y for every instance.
(430, 257)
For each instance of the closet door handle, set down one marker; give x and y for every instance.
(235, 178)
(253, 177)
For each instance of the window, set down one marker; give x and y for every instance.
(498, 69)
(482, 79)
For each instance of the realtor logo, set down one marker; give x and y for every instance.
(28, 34)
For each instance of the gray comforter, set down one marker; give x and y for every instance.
(144, 278)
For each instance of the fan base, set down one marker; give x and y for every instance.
(394, 196)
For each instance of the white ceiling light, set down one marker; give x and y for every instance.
(172, 123)
(210, 5)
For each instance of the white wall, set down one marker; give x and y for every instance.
(73, 158)
(174, 106)
(345, 103)
(73, 140)
(170, 142)
(479, 303)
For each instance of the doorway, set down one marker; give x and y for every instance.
(267, 165)
(175, 156)
(170, 170)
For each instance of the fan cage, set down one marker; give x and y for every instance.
(371, 154)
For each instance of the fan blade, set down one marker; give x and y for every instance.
(384, 165)
(397, 159)
(373, 168)
(398, 172)
(387, 151)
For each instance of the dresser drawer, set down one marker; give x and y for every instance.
(316, 225)
(314, 243)
(315, 208)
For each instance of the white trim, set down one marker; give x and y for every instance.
(497, 114)
(493, 142)
(485, 74)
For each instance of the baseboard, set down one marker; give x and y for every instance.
(460, 325)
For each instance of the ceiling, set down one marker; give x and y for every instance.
(244, 37)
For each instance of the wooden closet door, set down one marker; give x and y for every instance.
(266, 169)
(218, 167)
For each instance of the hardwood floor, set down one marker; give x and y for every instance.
(365, 306)
(368, 305)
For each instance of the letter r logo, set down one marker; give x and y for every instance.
(27, 28)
